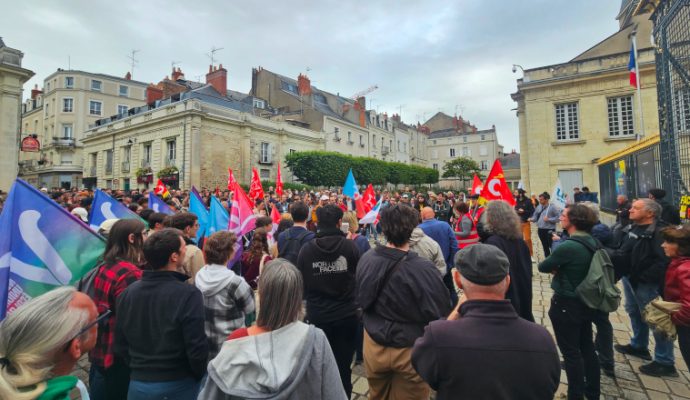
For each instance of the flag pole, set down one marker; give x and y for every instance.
(638, 74)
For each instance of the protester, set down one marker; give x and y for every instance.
(41, 342)
(283, 225)
(255, 258)
(353, 232)
(465, 227)
(227, 297)
(622, 210)
(484, 350)
(546, 216)
(109, 375)
(160, 332)
(156, 221)
(291, 241)
(669, 213)
(400, 293)
(188, 224)
(677, 283)
(442, 208)
(328, 264)
(642, 264)
(443, 234)
(427, 247)
(525, 209)
(279, 357)
(504, 226)
(570, 317)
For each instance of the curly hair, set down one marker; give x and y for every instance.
(581, 216)
(501, 220)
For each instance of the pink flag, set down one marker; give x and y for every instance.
(242, 218)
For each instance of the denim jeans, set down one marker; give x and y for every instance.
(109, 384)
(635, 301)
(185, 389)
(96, 383)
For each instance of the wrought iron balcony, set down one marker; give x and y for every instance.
(63, 141)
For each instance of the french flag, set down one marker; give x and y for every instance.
(631, 67)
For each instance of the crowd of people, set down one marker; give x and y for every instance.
(442, 301)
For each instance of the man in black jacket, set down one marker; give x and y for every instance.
(642, 264)
(484, 350)
(669, 213)
(328, 264)
(400, 294)
(160, 329)
(525, 209)
(290, 242)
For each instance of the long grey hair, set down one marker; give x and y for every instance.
(502, 220)
(280, 288)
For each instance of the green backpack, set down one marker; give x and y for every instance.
(598, 290)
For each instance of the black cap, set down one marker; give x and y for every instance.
(482, 264)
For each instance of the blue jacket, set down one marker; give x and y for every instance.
(442, 233)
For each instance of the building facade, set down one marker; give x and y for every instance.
(12, 79)
(59, 115)
(574, 113)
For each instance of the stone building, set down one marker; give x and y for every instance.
(573, 113)
(511, 168)
(61, 112)
(453, 137)
(12, 79)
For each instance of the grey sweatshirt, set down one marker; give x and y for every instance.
(427, 247)
(293, 362)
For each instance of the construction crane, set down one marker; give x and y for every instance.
(364, 92)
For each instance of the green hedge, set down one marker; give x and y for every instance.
(286, 186)
(320, 168)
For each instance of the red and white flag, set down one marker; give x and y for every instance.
(161, 190)
(242, 218)
(477, 185)
(279, 183)
(256, 191)
(496, 187)
(231, 179)
(369, 199)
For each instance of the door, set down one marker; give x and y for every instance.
(570, 179)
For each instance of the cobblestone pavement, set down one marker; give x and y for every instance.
(629, 383)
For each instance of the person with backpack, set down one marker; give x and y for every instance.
(291, 241)
(571, 318)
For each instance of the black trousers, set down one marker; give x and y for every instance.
(342, 336)
(604, 338)
(684, 342)
(546, 240)
(572, 324)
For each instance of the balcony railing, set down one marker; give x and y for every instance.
(145, 163)
(63, 141)
(170, 162)
(125, 166)
(385, 150)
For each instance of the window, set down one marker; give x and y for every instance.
(259, 104)
(171, 150)
(399, 147)
(67, 104)
(434, 154)
(265, 153)
(67, 131)
(66, 158)
(336, 130)
(361, 140)
(96, 86)
(126, 153)
(483, 151)
(46, 109)
(435, 166)
(289, 87)
(146, 155)
(620, 111)
(483, 137)
(48, 87)
(69, 82)
(122, 109)
(466, 151)
(349, 136)
(464, 139)
(484, 165)
(95, 107)
(452, 152)
(124, 90)
(108, 161)
(567, 125)
(265, 174)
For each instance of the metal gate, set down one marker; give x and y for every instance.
(672, 37)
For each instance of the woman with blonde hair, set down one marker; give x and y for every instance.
(505, 232)
(350, 217)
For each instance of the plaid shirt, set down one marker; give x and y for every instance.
(108, 284)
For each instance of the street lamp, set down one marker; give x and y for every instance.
(516, 66)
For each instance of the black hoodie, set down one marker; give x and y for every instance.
(328, 265)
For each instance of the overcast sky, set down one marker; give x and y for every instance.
(425, 56)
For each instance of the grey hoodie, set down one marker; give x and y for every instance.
(427, 247)
(293, 362)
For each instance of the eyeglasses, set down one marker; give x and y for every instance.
(101, 318)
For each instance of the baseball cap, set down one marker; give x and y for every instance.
(81, 213)
(324, 197)
(482, 264)
(106, 226)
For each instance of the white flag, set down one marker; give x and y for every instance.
(521, 185)
(558, 197)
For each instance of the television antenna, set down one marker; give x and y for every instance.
(212, 54)
(133, 61)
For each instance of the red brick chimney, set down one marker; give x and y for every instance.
(35, 92)
(177, 74)
(303, 85)
(396, 117)
(153, 93)
(218, 78)
(128, 76)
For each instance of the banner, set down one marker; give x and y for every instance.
(159, 206)
(105, 207)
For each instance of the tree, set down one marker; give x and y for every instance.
(462, 168)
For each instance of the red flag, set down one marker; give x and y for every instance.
(231, 179)
(256, 191)
(476, 185)
(275, 216)
(161, 189)
(496, 187)
(369, 199)
(279, 183)
(242, 218)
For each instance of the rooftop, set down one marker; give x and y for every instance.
(96, 75)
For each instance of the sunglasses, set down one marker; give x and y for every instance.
(101, 318)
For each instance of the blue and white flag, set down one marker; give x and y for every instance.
(42, 246)
(218, 217)
(158, 205)
(197, 207)
(105, 207)
(559, 195)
